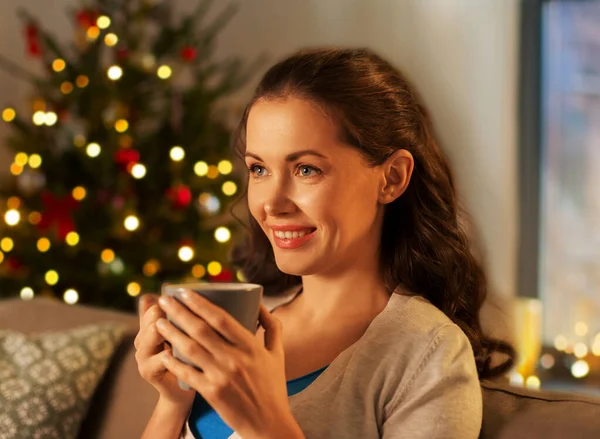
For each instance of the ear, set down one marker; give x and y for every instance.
(397, 171)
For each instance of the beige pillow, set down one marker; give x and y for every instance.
(47, 379)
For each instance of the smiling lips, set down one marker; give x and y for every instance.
(290, 237)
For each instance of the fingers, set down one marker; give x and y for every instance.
(188, 347)
(151, 342)
(219, 319)
(144, 304)
(152, 368)
(150, 317)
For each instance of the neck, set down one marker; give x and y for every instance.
(355, 295)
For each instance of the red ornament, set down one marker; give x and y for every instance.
(180, 196)
(188, 53)
(126, 157)
(87, 18)
(33, 40)
(58, 213)
(13, 263)
(122, 54)
(224, 276)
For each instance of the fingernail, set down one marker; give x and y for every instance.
(163, 301)
(161, 323)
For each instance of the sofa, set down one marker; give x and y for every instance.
(123, 402)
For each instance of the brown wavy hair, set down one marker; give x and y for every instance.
(424, 242)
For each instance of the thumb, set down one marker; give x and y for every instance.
(273, 328)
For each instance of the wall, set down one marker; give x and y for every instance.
(461, 55)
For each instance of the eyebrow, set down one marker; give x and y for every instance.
(291, 157)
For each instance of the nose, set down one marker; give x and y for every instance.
(277, 199)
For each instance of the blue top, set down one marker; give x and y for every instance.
(205, 423)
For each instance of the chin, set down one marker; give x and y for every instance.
(296, 266)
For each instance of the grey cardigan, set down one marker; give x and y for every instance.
(411, 375)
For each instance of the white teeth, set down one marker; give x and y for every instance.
(290, 235)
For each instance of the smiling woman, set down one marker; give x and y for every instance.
(372, 326)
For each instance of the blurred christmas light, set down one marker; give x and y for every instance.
(121, 125)
(213, 172)
(516, 379)
(21, 159)
(198, 271)
(72, 238)
(8, 114)
(39, 118)
(13, 202)
(111, 40)
(34, 218)
(1, 257)
(82, 81)
(201, 168)
(103, 22)
(51, 277)
(138, 171)
(580, 350)
(222, 234)
(561, 342)
(164, 72)
(50, 118)
(79, 193)
(132, 223)
(133, 289)
(177, 153)
(35, 161)
(240, 276)
(27, 293)
(71, 296)
(117, 266)
(79, 140)
(209, 203)
(186, 253)
(214, 268)
(6, 244)
(225, 167)
(16, 169)
(58, 65)
(93, 150)
(115, 73)
(107, 256)
(93, 32)
(580, 368)
(581, 329)
(12, 217)
(151, 267)
(66, 87)
(229, 188)
(43, 245)
(547, 361)
(533, 382)
(596, 349)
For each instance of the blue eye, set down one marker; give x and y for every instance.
(253, 170)
(305, 171)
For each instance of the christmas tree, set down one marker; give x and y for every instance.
(122, 172)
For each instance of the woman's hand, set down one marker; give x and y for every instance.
(242, 378)
(149, 345)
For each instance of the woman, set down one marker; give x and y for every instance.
(373, 291)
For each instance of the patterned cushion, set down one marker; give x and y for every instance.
(48, 379)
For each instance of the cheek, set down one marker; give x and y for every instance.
(254, 203)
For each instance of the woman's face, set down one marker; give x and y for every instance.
(312, 195)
